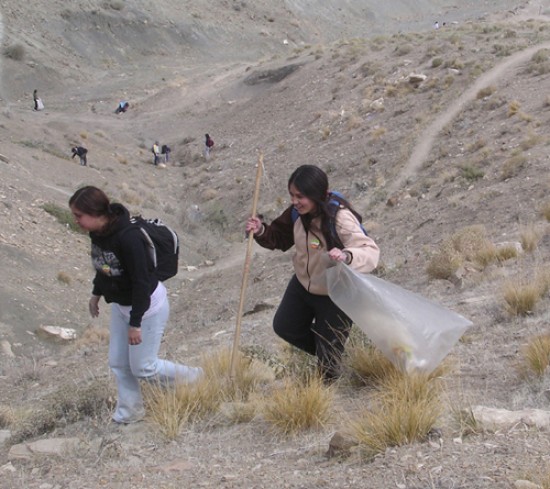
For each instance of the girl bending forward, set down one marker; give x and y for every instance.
(139, 305)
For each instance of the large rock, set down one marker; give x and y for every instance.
(49, 446)
(495, 418)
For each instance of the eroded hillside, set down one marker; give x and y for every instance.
(349, 105)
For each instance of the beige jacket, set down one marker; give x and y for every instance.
(311, 256)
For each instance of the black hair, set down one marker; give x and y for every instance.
(312, 182)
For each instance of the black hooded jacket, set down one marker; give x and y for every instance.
(124, 268)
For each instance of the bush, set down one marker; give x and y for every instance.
(63, 215)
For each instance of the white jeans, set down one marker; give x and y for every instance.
(130, 363)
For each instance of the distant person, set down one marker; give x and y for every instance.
(156, 153)
(38, 104)
(81, 152)
(125, 278)
(165, 150)
(122, 107)
(208, 144)
(322, 234)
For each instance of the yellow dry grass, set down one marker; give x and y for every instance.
(535, 356)
(299, 405)
(403, 410)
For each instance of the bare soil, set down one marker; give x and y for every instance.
(188, 68)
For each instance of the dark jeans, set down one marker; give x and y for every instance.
(314, 324)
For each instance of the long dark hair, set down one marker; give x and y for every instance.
(94, 202)
(312, 182)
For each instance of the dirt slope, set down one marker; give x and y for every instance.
(189, 68)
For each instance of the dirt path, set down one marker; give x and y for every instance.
(427, 137)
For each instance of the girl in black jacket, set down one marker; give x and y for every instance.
(139, 304)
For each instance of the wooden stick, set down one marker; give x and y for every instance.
(246, 269)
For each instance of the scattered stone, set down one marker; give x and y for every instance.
(392, 201)
(416, 79)
(3, 158)
(208, 263)
(6, 348)
(339, 445)
(8, 468)
(377, 104)
(271, 76)
(56, 332)
(49, 446)
(259, 307)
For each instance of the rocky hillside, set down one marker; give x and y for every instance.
(427, 131)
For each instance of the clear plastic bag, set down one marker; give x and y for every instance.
(414, 333)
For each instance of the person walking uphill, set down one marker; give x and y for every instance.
(125, 278)
(323, 228)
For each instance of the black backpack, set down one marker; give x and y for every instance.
(163, 244)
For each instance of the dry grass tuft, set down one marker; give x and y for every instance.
(521, 297)
(64, 278)
(93, 335)
(529, 238)
(545, 210)
(513, 108)
(68, 404)
(173, 408)
(468, 244)
(297, 363)
(467, 422)
(404, 410)
(506, 252)
(486, 92)
(368, 365)
(378, 131)
(512, 166)
(535, 356)
(299, 405)
(7, 417)
(248, 374)
(445, 262)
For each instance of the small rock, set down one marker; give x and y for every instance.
(49, 446)
(416, 78)
(339, 445)
(3, 158)
(56, 332)
(8, 468)
(4, 435)
(6, 348)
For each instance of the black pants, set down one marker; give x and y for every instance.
(314, 324)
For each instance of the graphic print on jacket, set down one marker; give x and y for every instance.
(106, 262)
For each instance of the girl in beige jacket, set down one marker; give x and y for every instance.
(323, 228)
